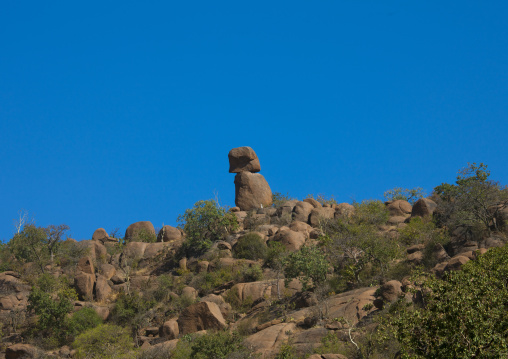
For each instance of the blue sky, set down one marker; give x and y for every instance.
(116, 112)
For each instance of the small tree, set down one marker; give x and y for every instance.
(204, 224)
(29, 245)
(473, 201)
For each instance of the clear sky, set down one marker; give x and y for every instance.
(114, 112)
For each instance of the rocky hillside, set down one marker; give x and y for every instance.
(271, 277)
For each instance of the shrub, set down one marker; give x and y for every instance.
(275, 254)
(105, 341)
(278, 199)
(84, 319)
(250, 246)
(205, 223)
(130, 308)
(464, 314)
(372, 212)
(309, 264)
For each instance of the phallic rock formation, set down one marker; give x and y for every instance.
(251, 189)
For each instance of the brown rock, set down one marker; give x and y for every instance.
(415, 248)
(107, 270)
(85, 265)
(391, 290)
(139, 229)
(21, 351)
(201, 316)
(399, 208)
(344, 210)
(243, 159)
(456, 263)
(100, 234)
(268, 341)
(102, 289)
(301, 227)
(169, 234)
(415, 257)
(190, 292)
(292, 240)
(318, 214)
(313, 202)
(134, 250)
(84, 282)
(423, 207)
(301, 212)
(169, 330)
(252, 191)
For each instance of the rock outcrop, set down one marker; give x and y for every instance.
(243, 159)
(201, 316)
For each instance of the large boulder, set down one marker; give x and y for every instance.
(292, 240)
(102, 289)
(390, 291)
(84, 284)
(423, 207)
(201, 316)
(100, 234)
(169, 330)
(85, 265)
(399, 208)
(139, 230)
(21, 351)
(252, 191)
(243, 159)
(319, 214)
(302, 210)
(267, 342)
(169, 234)
(253, 291)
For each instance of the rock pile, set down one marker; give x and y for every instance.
(251, 189)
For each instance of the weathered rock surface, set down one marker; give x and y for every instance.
(21, 351)
(142, 228)
(102, 289)
(84, 283)
(252, 191)
(100, 234)
(399, 208)
(243, 159)
(169, 330)
(301, 212)
(423, 207)
(169, 234)
(85, 265)
(268, 341)
(391, 290)
(292, 240)
(201, 316)
(318, 214)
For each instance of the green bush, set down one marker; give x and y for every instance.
(130, 308)
(204, 224)
(371, 212)
(218, 345)
(464, 314)
(105, 341)
(278, 199)
(275, 255)
(84, 319)
(309, 264)
(250, 246)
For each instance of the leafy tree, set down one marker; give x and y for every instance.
(204, 224)
(370, 212)
(464, 314)
(309, 264)
(411, 195)
(473, 202)
(37, 244)
(51, 300)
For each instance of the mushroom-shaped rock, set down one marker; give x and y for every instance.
(169, 234)
(139, 231)
(423, 207)
(243, 159)
(252, 191)
(201, 316)
(100, 234)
